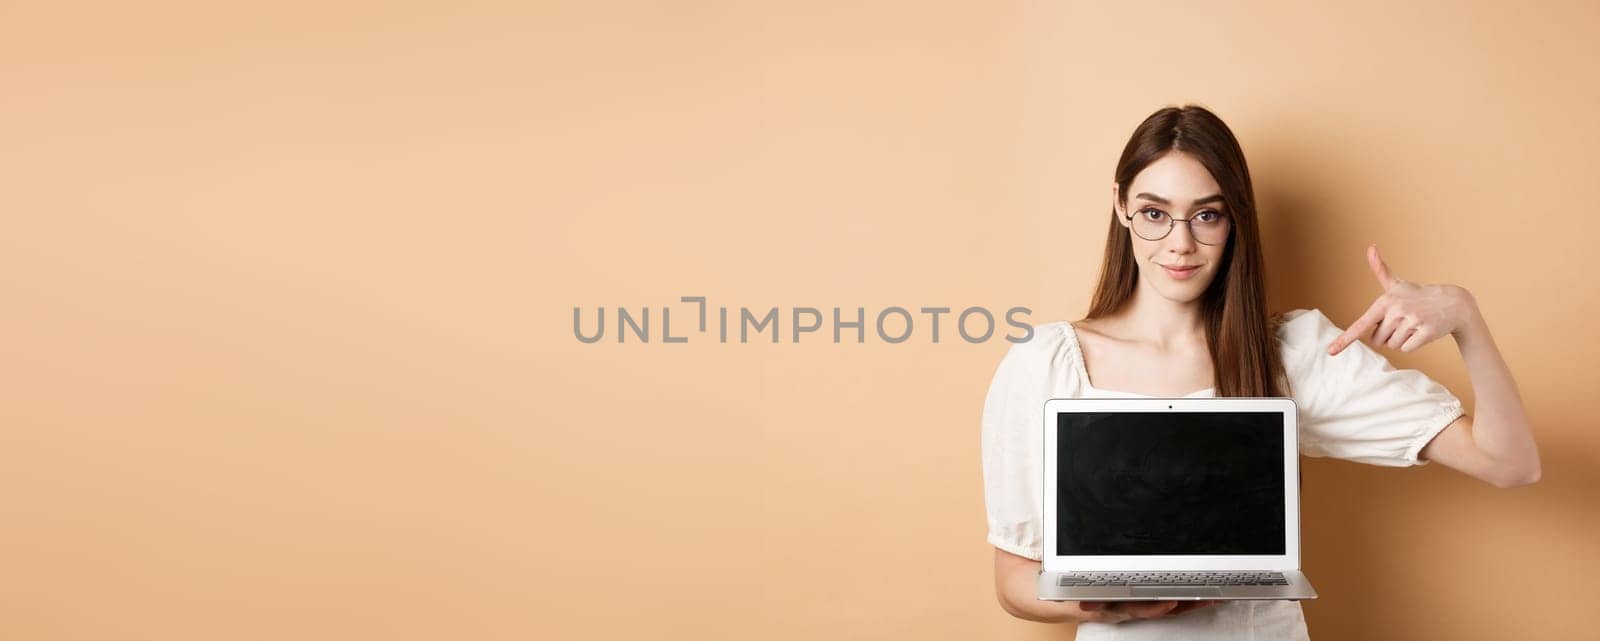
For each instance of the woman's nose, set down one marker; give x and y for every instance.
(1182, 237)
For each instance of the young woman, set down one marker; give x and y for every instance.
(1180, 310)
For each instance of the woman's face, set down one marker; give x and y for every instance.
(1174, 186)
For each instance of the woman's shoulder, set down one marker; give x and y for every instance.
(1303, 339)
(1052, 338)
(1042, 367)
(1299, 328)
(1047, 348)
(1046, 334)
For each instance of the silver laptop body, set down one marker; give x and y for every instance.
(1171, 499)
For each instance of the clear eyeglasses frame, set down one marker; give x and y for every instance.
(1213, 233)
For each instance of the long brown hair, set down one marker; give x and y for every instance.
(1241, 336)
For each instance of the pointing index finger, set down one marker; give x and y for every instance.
(1361, 327)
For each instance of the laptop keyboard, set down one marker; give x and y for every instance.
(1074, 579)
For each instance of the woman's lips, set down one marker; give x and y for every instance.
(1181, 274)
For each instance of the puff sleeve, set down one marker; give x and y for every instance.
(1013, 448)
(1356, 405)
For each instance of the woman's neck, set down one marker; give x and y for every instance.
(1166, 324)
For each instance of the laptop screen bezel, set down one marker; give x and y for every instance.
(1290, 560)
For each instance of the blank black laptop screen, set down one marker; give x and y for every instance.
(1144, 483)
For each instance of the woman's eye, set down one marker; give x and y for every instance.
(1213, 216)
(1153, 214)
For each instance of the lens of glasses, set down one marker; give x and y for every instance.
(1210, 228)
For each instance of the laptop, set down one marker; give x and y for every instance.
(1171, 499)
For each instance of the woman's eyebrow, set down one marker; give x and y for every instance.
(1214, 198)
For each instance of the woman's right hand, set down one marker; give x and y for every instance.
(1015, 585)
(1120, 611)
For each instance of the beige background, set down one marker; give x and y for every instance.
(288, 292)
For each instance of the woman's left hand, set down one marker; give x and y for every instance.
(1408, 315)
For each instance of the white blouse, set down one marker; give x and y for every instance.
(1353, 406)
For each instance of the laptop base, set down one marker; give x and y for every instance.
(1298, 589)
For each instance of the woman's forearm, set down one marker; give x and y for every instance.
(1500, 426)
(1015, 586)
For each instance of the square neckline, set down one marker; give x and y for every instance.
(1083, 370)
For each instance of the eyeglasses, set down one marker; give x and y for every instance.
(1153, 224)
